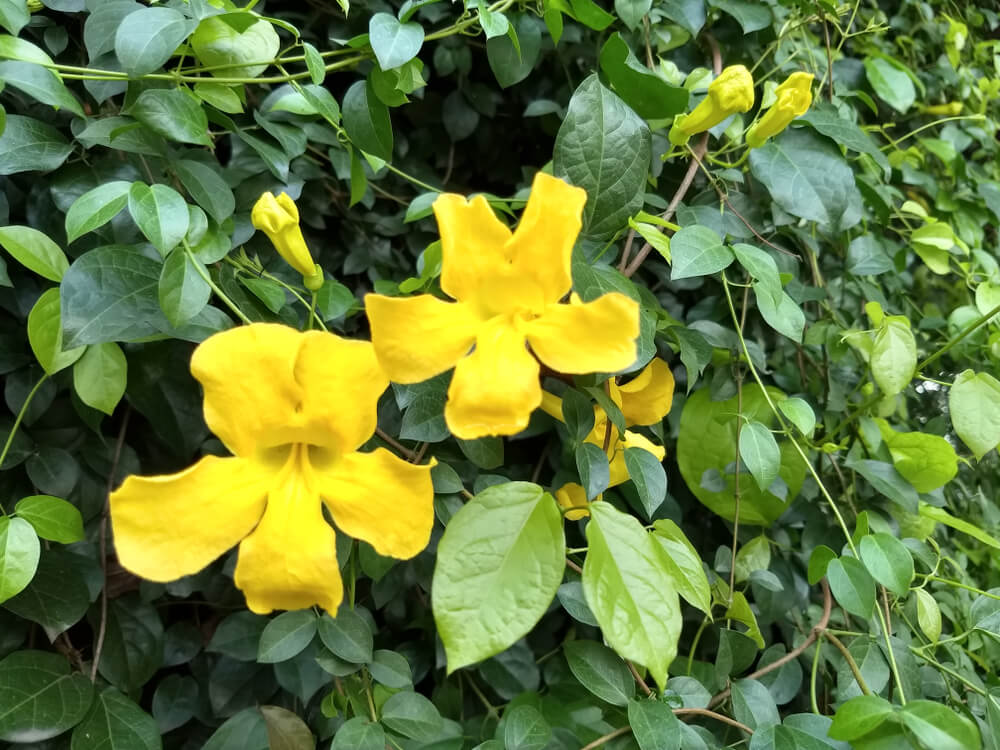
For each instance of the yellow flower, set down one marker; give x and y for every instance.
(278, 218)
(572, 496)
(645, 400)
(294, 408)
(508, 287)
(793, 97)
(729, 93)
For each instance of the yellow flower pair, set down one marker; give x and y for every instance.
(643, 401)
(731, 93)
(295, 407)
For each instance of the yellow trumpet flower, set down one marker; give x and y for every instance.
(729, 93)
(293, 408)
(792, 98)
(278, 218)
(507, 288)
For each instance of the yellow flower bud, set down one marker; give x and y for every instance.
(793, 98)
(572, 498)
(278, 218)
(950, 108)
(729, 93)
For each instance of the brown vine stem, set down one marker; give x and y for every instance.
(102, 628)
(638, 679)
(407, 453)
(574, 566)
(850, 662)
(713, 715)
(607, 738)
(818, 628)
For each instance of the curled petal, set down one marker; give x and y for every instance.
(379, 498)
(542, 245)
(647, 398)
(585, 337)
(729, 93)
(290, 559)
(494, 389)
(166, 527)
(416, 338)
(472, 244)
(792, 99)
(573, 499)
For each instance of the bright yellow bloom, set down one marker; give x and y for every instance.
(729, 93)
(294, 408)
(793, 97)
(645, 400)
(278, 218)
(572, 495)
(508, 288)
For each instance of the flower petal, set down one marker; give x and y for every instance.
(619, 470)
(647, 398)
(341, 383)
(494, 389)
(290, 559)
(543, 242)
(379, 498)
(579, 338)
(573, 496)
(472, 244)
(170, 526)
(419, 337)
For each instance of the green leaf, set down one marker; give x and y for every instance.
(160, 213)
(753, 704)
(852, 586)
(859, 716)
(525, 729)
(591, 15)
(819, 561)
(148, 38)
(800, 414)
(649, 95)
(116, 723)
(110, 294)
(207, 187)
(649, 478)
(39, 83)
(27, 145)
(601, 671)
(19, 553)
(925, 461)
(654, 725)
(779, 310)
(939, 727)
(286, 635)
(100, 376)
(974, 404)
(697, 251)
(500, 561)
(759, 264)
(893, 358)
(347, 635)
(39, 697)
(826, 119)
(14, 15)
(807, 176)
(314, 63)
(888, 482)
(513, 56)
(390, 668)
(182, 291)
(753, 556)
(46, 335)
(359, 733)
(247, 730)
(603, 147)
(413, 716)
(625, 582)
(593, 468)
(889, 562)
(750, 16)
(366, 120)
(285, 730)
(759, 451)
(942, 516)
(394, 43)
(52, 518)
(13, 48)
(176, 114)
(632, 11)
(891, 82)
(96, 207)
(928, 615)
(683, 564)
(228, 42)
(35, 251)
(57, 597)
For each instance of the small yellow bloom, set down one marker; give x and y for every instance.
(645, 400)
(278, 218)
(793, 97)
(572, 495)
(949, 108)
(508, 288)
(294, 408)
(729, 93)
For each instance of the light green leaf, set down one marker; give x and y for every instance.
(937, 726)
(759, 451)
(35, 251)
(759, 264)
(974, 403)
(942, 516)
(925, 461)
(752, 556)
(500, 561)
(148, 38)
(683, 564)
(39, 83)
(626, 583)
(891, 83)
(698, 251)
(100, 376)
(889, 562)
(859, 716)
(14, 15)
(19, 553)
(852, 586)
(46, 335)
(226, 43)
(394, 43)
(15, 48)
(800, 414)
(600, 670)
(819, 560)
(893, 357)
(52, 518)
(39, 697)
(176, 114)
(160, 213)
(928, 615)
(740, 611)
(96, 207)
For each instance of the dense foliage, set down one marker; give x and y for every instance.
(811, 565)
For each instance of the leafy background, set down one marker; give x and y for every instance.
(827, 310)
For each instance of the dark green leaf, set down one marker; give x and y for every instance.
(175, 114)
(366, 120)
(116, 723)
(601, 671)
(39, 697)
(27, 145)
(645, 92)
(147, 38)
(852, 586)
